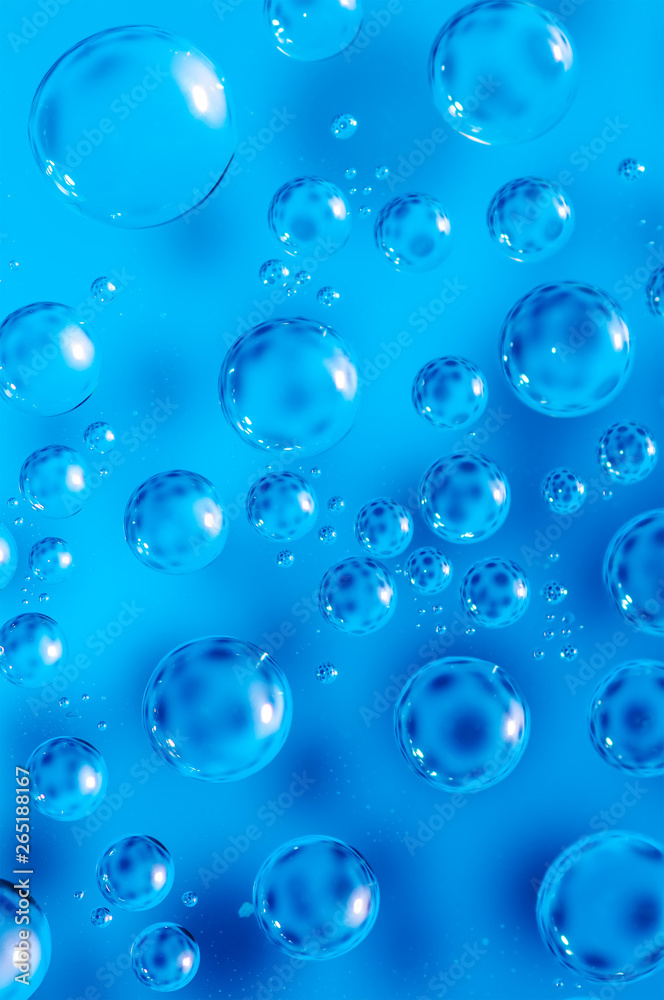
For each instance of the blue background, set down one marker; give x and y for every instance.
(190, 286)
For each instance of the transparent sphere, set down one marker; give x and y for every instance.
(627, 717)
(282, 506)
(450, 392)
(343, 126)
(462, 724)
(218, 709)
(358, 595)
(464, 497)
(285, 559)
(495, 593)
(49, 363)
(102, 290)
(599, 908)
(15, 960)
(313, 29)
(655, 292)
(633, 571)
(327, 673)
(502, 71)
(384, 527)
(275, 274)
(428, 570)
(565, 349)
(68, 778)
(174, 522)
(99, 437)
(316, 898)
(189, 898)
(309, 214)
(629, 169)
(290, 385)
(8, 556)
(51, 559)
(563, 491)
(101, 917)
(530, 218)
(54, 479)
(554, 592)
(628, 452)
(132, 126)
(33, 649)
(135, 873)
(165, 957)
(413, 232)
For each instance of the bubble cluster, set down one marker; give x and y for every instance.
(135, 873)
(49, 362)
(530, 219)
(384, 527)
(51, 559)
(33, 650)
(165, 957)
(464, 497)
(627, 717)
(502, 71)
(316, 898)
(413, 232)
(68, 778)
(130, 125)
(326, 28)
(217, 709)
(34, 952)
(100, 437)
(357, 595)
(450, 392)
(343, 126)
(599, 908)
(54, 479)
(563, 491)
(633, 571)
(174, 522)
(627, 451)
(428, 570)
(307, 213)
(8, 556)
(495, 593)
(565, 349)
(461, 723)
(290, 385)
(282, 506)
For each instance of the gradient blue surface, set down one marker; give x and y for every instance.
(185, 291)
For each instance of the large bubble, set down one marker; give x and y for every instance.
(49, 363)
(413, 232)
(450, 392)
(8, 556)
(628, 452)
(33, 648)
(132, 126)
(51, 560)
(634, 571)
(174, 522)
(428, 570)
(384, 527)
(290, 385)
(135, 873)
(600, 908)
(68, 778)
(218, 709)
(310, 215)
(495, 593)
(21, 956)
(282, 506)
(530, 218)
(316, 898)
(502, 71)
(627, 717)
(54, 479)
(358, 595)
(165, 957)
(565, 349)
(464, 497)
(313, 29)
(462, 724)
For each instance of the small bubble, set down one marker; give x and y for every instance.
(421, 611)
(63, 703)
(103, 290)
(189, 898)
(559, 984)
(630, 169)
(381, 173)
(343, 127)
(104, 470)
(12, 502)
(553, 592)
(569, 652)
(302, 277)
(554, 557)
(101, 725)
(18, 520)
(101, 916)
(79, 894)
(327, 296)
(470, 631)
(365, 210)
(350, 173)
(315, 473)
(246, 910)
(327, 534)
(335, 504)
(13, 265)
(437, 608)
(441, 628)
(99, 437)
(43, 598)
(548, 635)
(607, 494)
(85, 697)
(538, 654)
(285, 558)
(352, 191)
(274, 273)
(326, 673)
(24, 601)
(366, 190)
